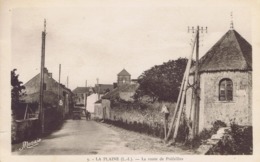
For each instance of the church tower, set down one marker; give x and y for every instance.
(123, 78)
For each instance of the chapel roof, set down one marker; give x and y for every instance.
(232, 52)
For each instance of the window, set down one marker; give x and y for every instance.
(225, 90)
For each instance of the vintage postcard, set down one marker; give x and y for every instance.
(131, 80)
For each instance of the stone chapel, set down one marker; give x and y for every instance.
(225, 79)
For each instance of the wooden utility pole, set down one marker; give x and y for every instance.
(41, 108)
(180, 102)
(59, 82)
(98, 89)
(86, 95)
(67, 81)
(195, 123)
(196, 90)
(179, 105)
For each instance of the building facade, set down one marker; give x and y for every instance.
(80, 94)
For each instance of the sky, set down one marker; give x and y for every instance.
(99, 39)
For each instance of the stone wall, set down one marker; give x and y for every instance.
(24, 130)
(211, 109)
(149, 113)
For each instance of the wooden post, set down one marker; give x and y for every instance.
(182, 91)
(59, 82)
(98, 88)
(176, 109)
(182, 100)
(165, 127)
(67, 81)
(165, 111)
(196, 89)
(41, 108)
(25, 114)
(196, 92)
(86, 95)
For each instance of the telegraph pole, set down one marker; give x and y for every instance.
(67, 81)
(86, 94)
(196, 91)
(41, 108)
(180, 102)
(98, 88)
(59, 83)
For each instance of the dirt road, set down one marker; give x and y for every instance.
(79, 137)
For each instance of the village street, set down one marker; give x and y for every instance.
(81, 137)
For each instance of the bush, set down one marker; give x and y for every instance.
(238, 141)
(204, 134)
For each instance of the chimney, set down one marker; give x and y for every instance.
(45, 70)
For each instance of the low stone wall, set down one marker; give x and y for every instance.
(145, 118)
(24, 129)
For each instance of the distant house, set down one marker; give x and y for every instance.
(225, 74)
(125, 92)
(51, 91)
(123, 78)
(80, 94)
(91, 102)
(103, 88)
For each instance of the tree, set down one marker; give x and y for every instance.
(17, 89)
(162, 82)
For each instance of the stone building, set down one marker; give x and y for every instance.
(225, 77)
(51, 88)
(123, 78)
(80, 94)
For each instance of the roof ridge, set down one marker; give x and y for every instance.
(32, 78)
(123, 72)
(239, 38)
(209, 53)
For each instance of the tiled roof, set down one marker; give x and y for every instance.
(231, 52)
(81, 90)
(104, 87)
(124, 88)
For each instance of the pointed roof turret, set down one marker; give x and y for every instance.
(231, 52)
(124, 72)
